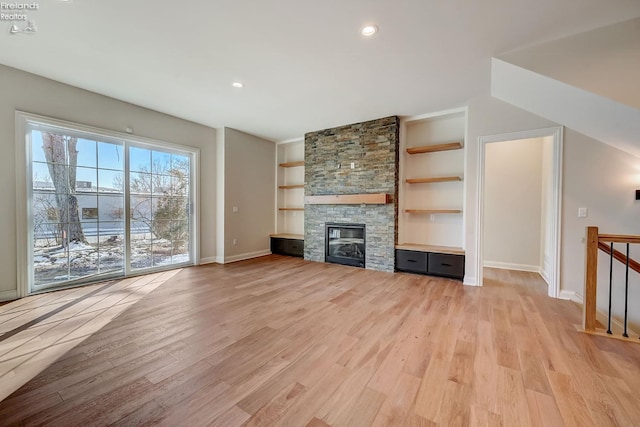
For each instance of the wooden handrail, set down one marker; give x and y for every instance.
(619, 256)
(618, 238)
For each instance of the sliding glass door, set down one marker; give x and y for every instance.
(100, 207)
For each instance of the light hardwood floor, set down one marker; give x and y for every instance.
(281, 341)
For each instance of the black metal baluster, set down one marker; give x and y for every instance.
(610, 288)
(626, 295)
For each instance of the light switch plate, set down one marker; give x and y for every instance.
(582, 212)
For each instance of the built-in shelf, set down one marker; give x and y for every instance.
(291, 164)
(290, 187)
(290, 209)
(349, 199)
(430, 180)
(430, 248)
(433, 211)
(434, 148)
(287, 236)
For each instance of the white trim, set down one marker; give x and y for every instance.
(512, 266)
(545, 276)
(570, 295)
(470, 281)
(208, 260)
(248, 255)
(220, 192)
(465, 181)
(8, 295)
(23, 168)
(556, 202)
(289, 141)
(436, 114)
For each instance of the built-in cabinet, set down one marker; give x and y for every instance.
(288, 238)
(287, 244)
(431, 195)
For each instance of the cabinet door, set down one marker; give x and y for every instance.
(446, 265)
(295, 247)
(278, 246)
(411, 261)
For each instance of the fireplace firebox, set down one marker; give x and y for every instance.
(345, 244)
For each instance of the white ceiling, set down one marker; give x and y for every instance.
(304, 63)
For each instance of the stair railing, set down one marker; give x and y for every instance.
(605, 242)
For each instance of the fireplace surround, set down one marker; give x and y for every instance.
(348, 161)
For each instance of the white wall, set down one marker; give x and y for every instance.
(588, 61)
(513, 204)
(249, 177)
(603, 180)
(33, 94)
(487, 116)
(595, 175)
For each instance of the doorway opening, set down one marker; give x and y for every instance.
(519, 203)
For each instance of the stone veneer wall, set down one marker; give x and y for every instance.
(373, 147)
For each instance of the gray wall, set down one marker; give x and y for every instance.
(249, 177)
(373, 148)
(33, 94)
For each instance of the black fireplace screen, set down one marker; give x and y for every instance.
(345, 244)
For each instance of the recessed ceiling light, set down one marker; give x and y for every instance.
(237, 85)
(369, 30)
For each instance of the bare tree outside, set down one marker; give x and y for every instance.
(62, 158)
(169, 186)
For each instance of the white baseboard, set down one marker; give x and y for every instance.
(8, 295)
(512, 266)
(208, 260)
(470, 281)
(249, 255)
(545, 276)
(571, 296)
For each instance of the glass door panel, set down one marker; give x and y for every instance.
(160, 221)
(77, 225)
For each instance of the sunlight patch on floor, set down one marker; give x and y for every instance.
(60, 321)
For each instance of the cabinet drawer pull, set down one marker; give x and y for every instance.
(411, 260)
(444, 264)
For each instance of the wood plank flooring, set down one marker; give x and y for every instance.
(281, 341)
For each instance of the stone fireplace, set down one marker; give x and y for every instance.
(361, 158)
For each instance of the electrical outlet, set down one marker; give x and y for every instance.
(235, 242)
(583, 212)
(353, 165)
(235, 209)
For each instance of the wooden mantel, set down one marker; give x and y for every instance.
(349, 199)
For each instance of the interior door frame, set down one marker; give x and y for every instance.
(556, 199)
(24, 253)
